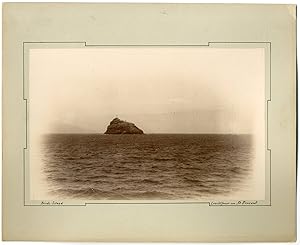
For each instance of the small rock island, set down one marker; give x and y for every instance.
(118, 126)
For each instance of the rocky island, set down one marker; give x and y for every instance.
(118, 126)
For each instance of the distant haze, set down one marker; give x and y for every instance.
(161, 90)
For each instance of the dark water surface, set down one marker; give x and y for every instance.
(155, 166)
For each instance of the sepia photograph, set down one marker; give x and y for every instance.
(135, 122)
(147, 123)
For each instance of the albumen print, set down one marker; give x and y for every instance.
(147, 123)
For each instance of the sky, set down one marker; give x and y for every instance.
(160, 89)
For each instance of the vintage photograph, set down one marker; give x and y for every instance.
(147, 123)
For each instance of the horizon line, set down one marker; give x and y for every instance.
(153, 133)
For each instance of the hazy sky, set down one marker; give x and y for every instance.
(161, 90)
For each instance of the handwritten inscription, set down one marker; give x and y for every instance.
(235, 203)
(51, 203)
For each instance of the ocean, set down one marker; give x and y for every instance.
(146, 167)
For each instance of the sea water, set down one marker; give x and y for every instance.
(149, 167)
